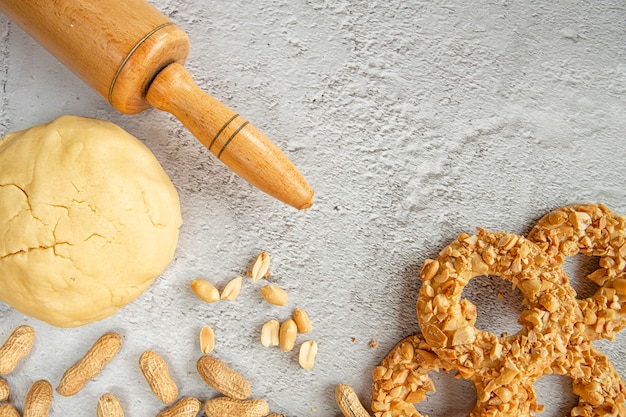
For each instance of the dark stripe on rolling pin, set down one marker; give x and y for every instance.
(231, 138)
(132, 51)
(219, 132)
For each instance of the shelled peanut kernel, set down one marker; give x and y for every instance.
(270, 333)
(232, 289)
(260, 267)
(308, 352)
(302, 321)
(205, 291)
(287, 335)
(274, 295)
(207, 340)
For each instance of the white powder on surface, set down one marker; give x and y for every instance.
(413, 121)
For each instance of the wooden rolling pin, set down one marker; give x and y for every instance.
(133, 56)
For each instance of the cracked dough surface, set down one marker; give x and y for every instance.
(88, 219)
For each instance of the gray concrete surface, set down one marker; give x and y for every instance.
(414, 121)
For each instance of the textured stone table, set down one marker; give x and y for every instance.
(414, 121)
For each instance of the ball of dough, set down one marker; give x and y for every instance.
(88, 219)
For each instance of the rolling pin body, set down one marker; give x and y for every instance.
(116, 47)
(121, 48)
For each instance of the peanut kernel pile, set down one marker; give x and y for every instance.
(273, 333)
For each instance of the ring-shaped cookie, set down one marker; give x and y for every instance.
(507, 364)
(593, 230)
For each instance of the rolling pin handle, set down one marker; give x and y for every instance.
(231, 138)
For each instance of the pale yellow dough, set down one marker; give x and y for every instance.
(88, 219)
